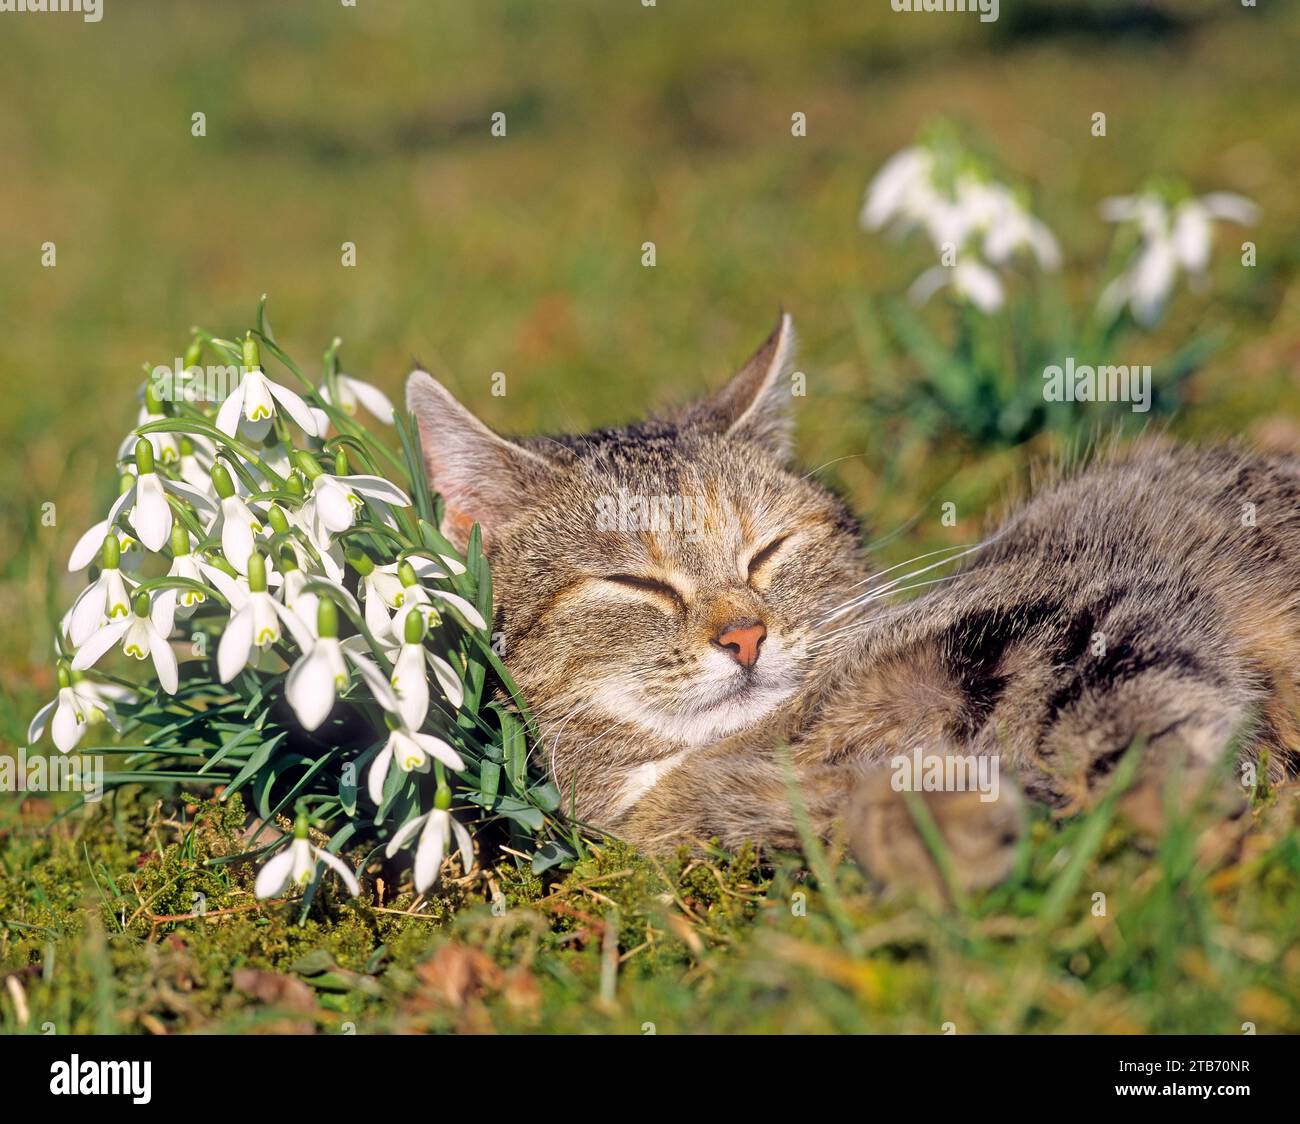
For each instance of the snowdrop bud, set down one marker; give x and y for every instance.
(414, 628)
(252, 354)
(143, 456)
(256, 573)
(180, 540)
(327, 619)
(193, 353)
(111, 553)
(293, 484)
(341, 463)
(442, 798)
(187, 447)
(300, 826)
(279, 524)
(307, 465)
(406, 573)
(287, 561)
(224, 566)
(125, 483)
(152, 403)
(221, 481)
(360, 562)
(64, 675)
(141, 605)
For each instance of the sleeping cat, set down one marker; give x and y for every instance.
(695, 624)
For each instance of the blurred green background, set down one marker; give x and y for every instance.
(625, 124)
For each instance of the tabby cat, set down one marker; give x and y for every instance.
(699, 632)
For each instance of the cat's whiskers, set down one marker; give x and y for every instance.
(857, 625)
(895, 584)
(955, 551)
(556, 729)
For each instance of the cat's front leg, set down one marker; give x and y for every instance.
(978, 834)
(737, 798)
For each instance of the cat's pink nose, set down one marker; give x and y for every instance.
(743, 640)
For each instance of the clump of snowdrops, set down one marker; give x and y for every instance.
(270, 608)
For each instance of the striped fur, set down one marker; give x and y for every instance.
(1152, 595)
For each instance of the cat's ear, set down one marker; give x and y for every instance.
(756, 404)
(479, 475)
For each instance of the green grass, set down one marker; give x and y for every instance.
(370, 125)
(1194, 934)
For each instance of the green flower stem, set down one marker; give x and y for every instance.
(372, 529)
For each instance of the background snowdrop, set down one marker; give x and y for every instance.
(975, 374)
(971, 220)
(1171, 237)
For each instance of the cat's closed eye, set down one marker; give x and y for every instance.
(765, 554)
(648, 585)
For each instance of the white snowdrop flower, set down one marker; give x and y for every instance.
(1193, 224)
(231, 584)
(411, 675)
(893, 193)
(239, 524)
(273, 456)
(144, 505)
(335, 500)
(295, 865)
(962, 211)
(1170, 239)
(107, 598)
(420, 599)
(321, 673)
(300, 601)
(256, 624)
(186, 564)
(251, 406)
(78, 705)
(382, 590)
(354, 392)
(143, 635)
(407, 752)
(410, 679)
(437, 828)
(1009, 228)
(970, 280)
(90, 544)
(304, 601)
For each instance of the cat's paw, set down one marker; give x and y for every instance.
(980, 837)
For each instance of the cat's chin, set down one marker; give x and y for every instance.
(739, 708)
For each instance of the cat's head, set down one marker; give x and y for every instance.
(669, 575)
